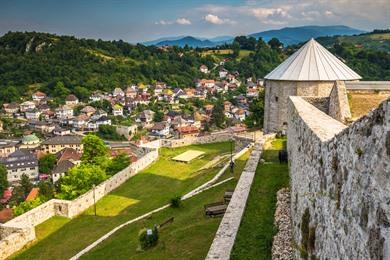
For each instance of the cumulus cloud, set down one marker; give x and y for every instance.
(214, 19)
(181, 21)
(255, 13)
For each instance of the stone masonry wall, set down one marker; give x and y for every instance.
(23, 226)
(226, 234)
(340, 183)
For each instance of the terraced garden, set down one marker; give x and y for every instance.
(61, 238)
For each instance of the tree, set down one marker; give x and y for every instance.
(46, 190)
(255, 119)
(275, 44)
(47, 163)
(118, 163)
(218, 116)
(108, 132)
(25, 184)
(80, 179)
(3, 179)
(158, 116)
(94, 149)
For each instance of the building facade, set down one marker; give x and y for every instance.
(55, 144)
(20, 162)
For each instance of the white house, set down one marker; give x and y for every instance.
(223, 73)
(32, 114)
(38, 96)
(160, 129)
(203, 68)
(71, 100)
(118, 92)
(27, 105)
(117, 110)
(64, 112)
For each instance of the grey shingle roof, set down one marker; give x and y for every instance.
(66, 139)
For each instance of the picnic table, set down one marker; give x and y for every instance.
(215, 209)
(228, 196)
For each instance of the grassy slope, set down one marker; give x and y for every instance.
(362, 103)
(254, 238)
(146, 191)
(189, 237)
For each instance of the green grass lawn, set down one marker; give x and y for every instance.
(188, 237)
(148, 190)
(254, 238)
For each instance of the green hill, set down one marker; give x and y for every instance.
(31, 61)
(376, 41)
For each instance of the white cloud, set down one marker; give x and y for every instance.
(214, 19)
(183, 21)
(164, 22)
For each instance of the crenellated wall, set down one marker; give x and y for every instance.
(340, 183)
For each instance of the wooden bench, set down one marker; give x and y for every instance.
(215, 209)
(228, 196)
(166, 222)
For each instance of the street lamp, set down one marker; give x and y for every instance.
(231, 152)
(94, 198)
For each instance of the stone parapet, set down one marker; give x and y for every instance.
(340, 183)
(224, 238)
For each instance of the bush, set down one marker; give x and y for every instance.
(26, 206)
(148, 238)
(176, 202)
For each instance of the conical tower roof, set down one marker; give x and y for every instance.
(312, 62)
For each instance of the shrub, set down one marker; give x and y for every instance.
(148, 238)
(176, 202)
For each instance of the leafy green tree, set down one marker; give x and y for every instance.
(108, 132)
(46, 190)
(275, 44)
(218, 115)
(255, 119)
(3, 179)
(25, 184)
(118, 163)
(46, 163)
(94, 149)
(158, 116)
(60, 90)
(80, 179)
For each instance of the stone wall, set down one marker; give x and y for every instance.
(226, 234)
(276, 99)
(240, 141)
(338, 103)
(340, 183)
(18, 232)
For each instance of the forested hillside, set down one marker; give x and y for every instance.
(31, 61)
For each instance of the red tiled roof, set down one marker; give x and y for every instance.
(188, 130)
(33, 194)
(5, 215)
(68, 154)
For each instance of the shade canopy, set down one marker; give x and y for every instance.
(312, 62)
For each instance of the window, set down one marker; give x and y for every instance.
(284, 123)
(32, 169)
(276, 99)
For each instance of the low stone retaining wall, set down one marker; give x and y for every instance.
(227, 231)
(18, 232)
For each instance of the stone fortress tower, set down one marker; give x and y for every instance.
(311, 71)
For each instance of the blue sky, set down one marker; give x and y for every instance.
(137, 21)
